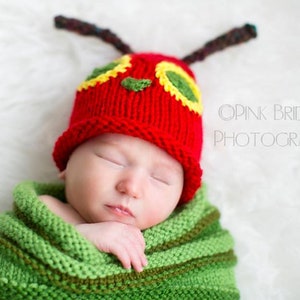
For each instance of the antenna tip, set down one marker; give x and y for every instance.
(58, 21)
(251, 29)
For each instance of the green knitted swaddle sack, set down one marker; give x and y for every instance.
(41, 257)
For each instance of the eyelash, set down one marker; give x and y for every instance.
(111, 160)
(119, 164)
(161, 180)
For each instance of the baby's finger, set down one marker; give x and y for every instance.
(124, 258)
(140, 264)
(131, 255)
(137, 257)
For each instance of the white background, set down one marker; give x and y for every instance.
(254, 184)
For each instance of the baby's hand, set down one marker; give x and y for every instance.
(126, 242)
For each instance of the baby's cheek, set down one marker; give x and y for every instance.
(154, 216)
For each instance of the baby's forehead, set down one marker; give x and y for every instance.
(113, 138)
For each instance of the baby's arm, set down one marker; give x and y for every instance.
(63, 210)
(124, 241)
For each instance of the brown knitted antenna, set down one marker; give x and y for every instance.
(233, 37)
(85, 28)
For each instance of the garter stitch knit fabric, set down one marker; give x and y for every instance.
(41, 257)
(150, 96)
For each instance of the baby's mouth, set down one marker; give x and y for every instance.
(120, 210)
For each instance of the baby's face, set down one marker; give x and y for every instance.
(115, 177)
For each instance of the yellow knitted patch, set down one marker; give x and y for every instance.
(179, 84)
(112, 70)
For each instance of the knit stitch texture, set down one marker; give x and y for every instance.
(42, 257)
(150, 96)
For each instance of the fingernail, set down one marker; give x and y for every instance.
(145, 262)
(140, 269)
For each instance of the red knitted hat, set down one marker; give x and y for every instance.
(150, 96)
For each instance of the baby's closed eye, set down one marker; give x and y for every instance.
(112, 157)
(112, 160)
(161, 178)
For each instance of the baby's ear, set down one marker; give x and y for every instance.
(62, 175)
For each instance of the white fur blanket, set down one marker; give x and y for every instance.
(250, 92)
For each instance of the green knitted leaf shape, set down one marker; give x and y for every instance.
(182, 85)
(135, 85)
(98, 71)
(42, 257)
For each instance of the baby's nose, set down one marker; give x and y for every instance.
(132, 184)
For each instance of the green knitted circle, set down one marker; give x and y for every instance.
(182, 85)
